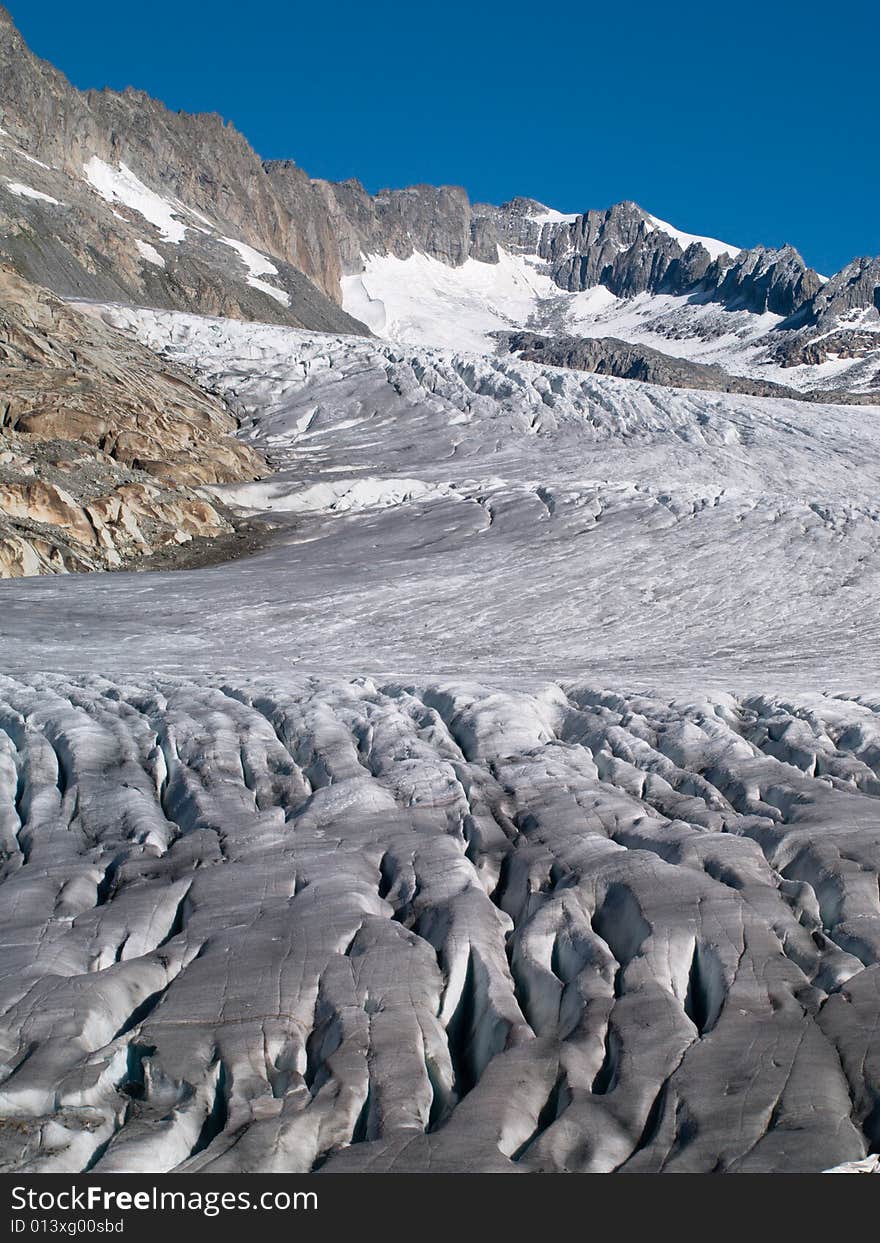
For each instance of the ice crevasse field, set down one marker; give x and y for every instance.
(515, 808)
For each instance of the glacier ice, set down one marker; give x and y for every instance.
(515, 809)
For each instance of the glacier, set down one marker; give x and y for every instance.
(425, 301)
(671, 536)
(515, 809)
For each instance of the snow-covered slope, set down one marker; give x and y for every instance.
(715, 248)
(426, 302)
(423, 300)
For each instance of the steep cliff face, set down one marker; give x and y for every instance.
(435, 220)
(854, 288)
(112, 196)
(630, 252)
(764, 280)
(621, 249)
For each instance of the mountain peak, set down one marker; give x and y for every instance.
(113, 197)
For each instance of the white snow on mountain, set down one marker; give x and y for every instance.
(715, 248)
(174, 219)
(423, 301)
(258, 266)
(27, 192)
(427, 302)
(150, 254)
(684, 326)
(549, 215)
(121, 185)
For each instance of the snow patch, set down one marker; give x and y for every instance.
(258, 265)
(422, 300)
(715, 248)
(336, 496)
(28, 192)
(150, 254)
(121, 185)
(197, 215)
(548, 215)
(32, 159)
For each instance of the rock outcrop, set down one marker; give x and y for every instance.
(436, 220)
(621, 249)
(101, 444)
(608, 356)
(764, 280)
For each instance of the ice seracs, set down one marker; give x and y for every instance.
(489, 819)
(596, 505)
(295, 923)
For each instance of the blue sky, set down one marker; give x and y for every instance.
(752, 122)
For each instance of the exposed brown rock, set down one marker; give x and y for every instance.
(101, 442)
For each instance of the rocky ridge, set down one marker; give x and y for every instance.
(194, 175)
(111, 196)
(627, 361)
(621, 248)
